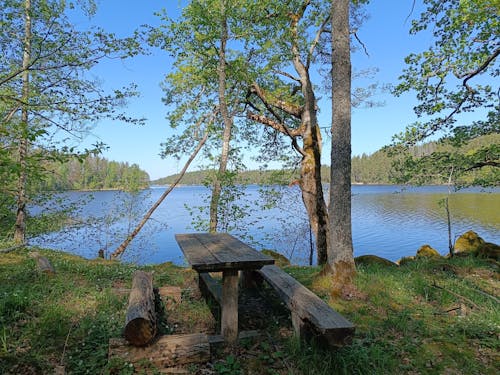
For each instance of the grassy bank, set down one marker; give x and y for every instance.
(427, 317)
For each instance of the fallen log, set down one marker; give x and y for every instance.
(166, 351)
(140, 321)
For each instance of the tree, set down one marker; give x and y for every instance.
(455, 79)
(340, 256)
(206, 81)
(286, 103)
(46, 93)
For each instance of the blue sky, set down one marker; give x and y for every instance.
(385, 36)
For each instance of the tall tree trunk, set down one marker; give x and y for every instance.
(20, 226)
(340, 256)
(310, 178)
(310, 170)
(228, 124)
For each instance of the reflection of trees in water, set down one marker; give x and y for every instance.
(466, 208)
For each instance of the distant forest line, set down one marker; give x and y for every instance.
(376, 168)
(93, 173)
(97, 173)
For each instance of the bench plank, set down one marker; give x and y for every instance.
(307, 306)
(211, 285)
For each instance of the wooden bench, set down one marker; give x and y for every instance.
(312, 318)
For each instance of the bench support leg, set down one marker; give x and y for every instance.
(229, 319)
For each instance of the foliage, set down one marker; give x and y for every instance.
(436, 162)
(204, 92)
(48, 96)
(456, 83)
(92, 173)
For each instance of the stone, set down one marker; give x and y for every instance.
(373, 259)
(405, 260)
(468, 243)
(489, 250)
(426, 251)
(279, 259)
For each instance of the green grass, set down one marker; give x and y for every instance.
(427, 317)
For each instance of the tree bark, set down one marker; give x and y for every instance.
(310, 172)
(167, 351)
(140, 321)
(228, 124)
(20, 225)
(340, 255)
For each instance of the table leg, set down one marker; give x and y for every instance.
(229, 320)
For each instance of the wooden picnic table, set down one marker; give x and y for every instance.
(221, 252)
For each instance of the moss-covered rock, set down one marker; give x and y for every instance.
(373, 259)
(426, 251)
(489, 250)
(279, 259)
(405, 260)
(468, 243)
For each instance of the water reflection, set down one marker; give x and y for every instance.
(387, 221)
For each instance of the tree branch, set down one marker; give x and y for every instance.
(121, 249)
(291, 109)
(483, 66)
(316, 40)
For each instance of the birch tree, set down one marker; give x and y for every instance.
(47, 97)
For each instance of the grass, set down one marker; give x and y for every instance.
(427, 317)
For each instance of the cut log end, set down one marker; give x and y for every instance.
(140, 331)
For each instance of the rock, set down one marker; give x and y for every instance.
(468, 243)
(426, 251)
(489, 250)
(280, 260)
(405, 260)
(373, 259)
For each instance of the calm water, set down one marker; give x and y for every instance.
(387, 221)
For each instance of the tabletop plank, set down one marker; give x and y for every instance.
(212, 252)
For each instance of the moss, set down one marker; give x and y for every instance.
(405, 260)
(426, 251)
(468, 243)
(489, 250)
(373, 259)
(280, 260)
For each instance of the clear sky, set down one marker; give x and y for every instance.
(385, 36)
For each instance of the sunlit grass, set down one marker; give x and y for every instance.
(427, 317)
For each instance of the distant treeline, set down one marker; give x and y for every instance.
(376, 168)
(93, 173)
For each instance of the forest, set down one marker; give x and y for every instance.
(376, 168)
(92, 173)
(274, 81)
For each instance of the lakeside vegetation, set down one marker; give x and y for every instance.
(432, 315)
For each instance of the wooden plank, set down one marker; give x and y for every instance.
(229, 318)
(167, 351)
(214, 287)
(196, 254)
(308, 306)
(214, 252)
(228, 249)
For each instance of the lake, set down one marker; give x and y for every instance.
(388, 221)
